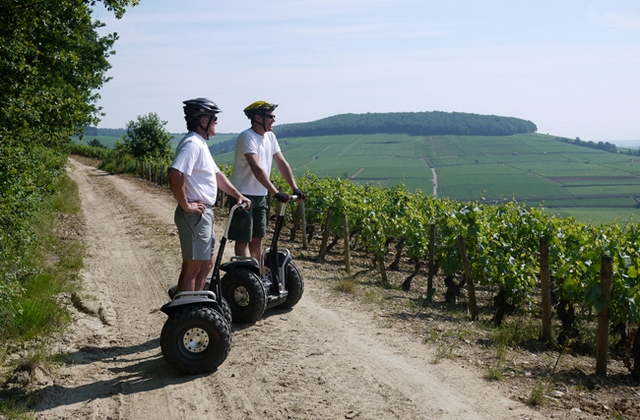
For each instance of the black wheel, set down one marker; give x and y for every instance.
(195, 339)
(294, 285)
(226, 310)
(245, 294)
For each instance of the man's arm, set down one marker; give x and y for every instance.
(259, 173)
(285, 170)
(225, 185)
(176, 184)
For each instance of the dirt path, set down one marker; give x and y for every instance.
(325, 359)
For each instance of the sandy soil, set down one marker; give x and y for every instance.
(327, 358)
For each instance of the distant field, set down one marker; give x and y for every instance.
(110, 142)
(598, 215)
(590, 184)
(378, 159)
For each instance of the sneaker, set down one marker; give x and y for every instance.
(172, 292)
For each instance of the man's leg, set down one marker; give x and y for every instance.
(194, 274)
(241, 249)
(205, 269)
(255, 247)
(196, 240)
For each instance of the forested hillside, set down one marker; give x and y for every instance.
(109, 132)
(412, 123)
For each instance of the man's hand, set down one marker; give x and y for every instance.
(195, 207)
(282, 197)
(244, 200)
(300, 194)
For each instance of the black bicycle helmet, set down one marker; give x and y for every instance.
(259, 108)
(194, 108)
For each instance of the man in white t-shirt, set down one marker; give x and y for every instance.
(256, 149)
(194, 179)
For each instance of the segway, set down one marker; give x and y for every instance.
(197, 336)
(250, 292)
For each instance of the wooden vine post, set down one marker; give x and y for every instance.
(473, 309)
(221, 197)
(303, 223)
(602, 339)
(383, 269)
(300, 223)
(432, 253)
(347, 243)
(545, 282)
(296, 224)
(325, 234)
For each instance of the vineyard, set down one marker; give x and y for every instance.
(501, 246)
(494, 246)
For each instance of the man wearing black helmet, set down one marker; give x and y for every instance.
(194, 179)
(256, 149)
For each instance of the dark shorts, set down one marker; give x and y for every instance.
(252, 223)
(196, 233)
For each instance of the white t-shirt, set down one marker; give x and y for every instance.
(265, 147)
(194, 160)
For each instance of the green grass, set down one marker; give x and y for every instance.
(9, 410)
(538, 394)
(56, 263)
(37, 312)
(494, 373)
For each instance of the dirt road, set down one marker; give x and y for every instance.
(325, 359)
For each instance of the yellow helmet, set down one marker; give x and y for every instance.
(259, 108)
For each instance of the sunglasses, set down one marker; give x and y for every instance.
(273, 117)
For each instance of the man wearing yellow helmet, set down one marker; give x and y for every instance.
(256, 149)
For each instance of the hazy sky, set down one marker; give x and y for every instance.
(571, 67)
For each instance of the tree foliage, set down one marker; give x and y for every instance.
(412, 123)
(52, 61)
(147, 138)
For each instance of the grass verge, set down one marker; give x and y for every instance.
(54, 262)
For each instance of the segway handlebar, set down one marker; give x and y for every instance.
(231, 213)
(283, 206)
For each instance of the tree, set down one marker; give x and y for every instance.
(96, 143)
(146, 138)
(52, 62)
(117, 6)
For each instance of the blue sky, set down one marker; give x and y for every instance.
(571, 67)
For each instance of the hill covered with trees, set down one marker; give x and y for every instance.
(412, 123)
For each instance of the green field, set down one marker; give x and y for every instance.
(590, 184)
(110, 142)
